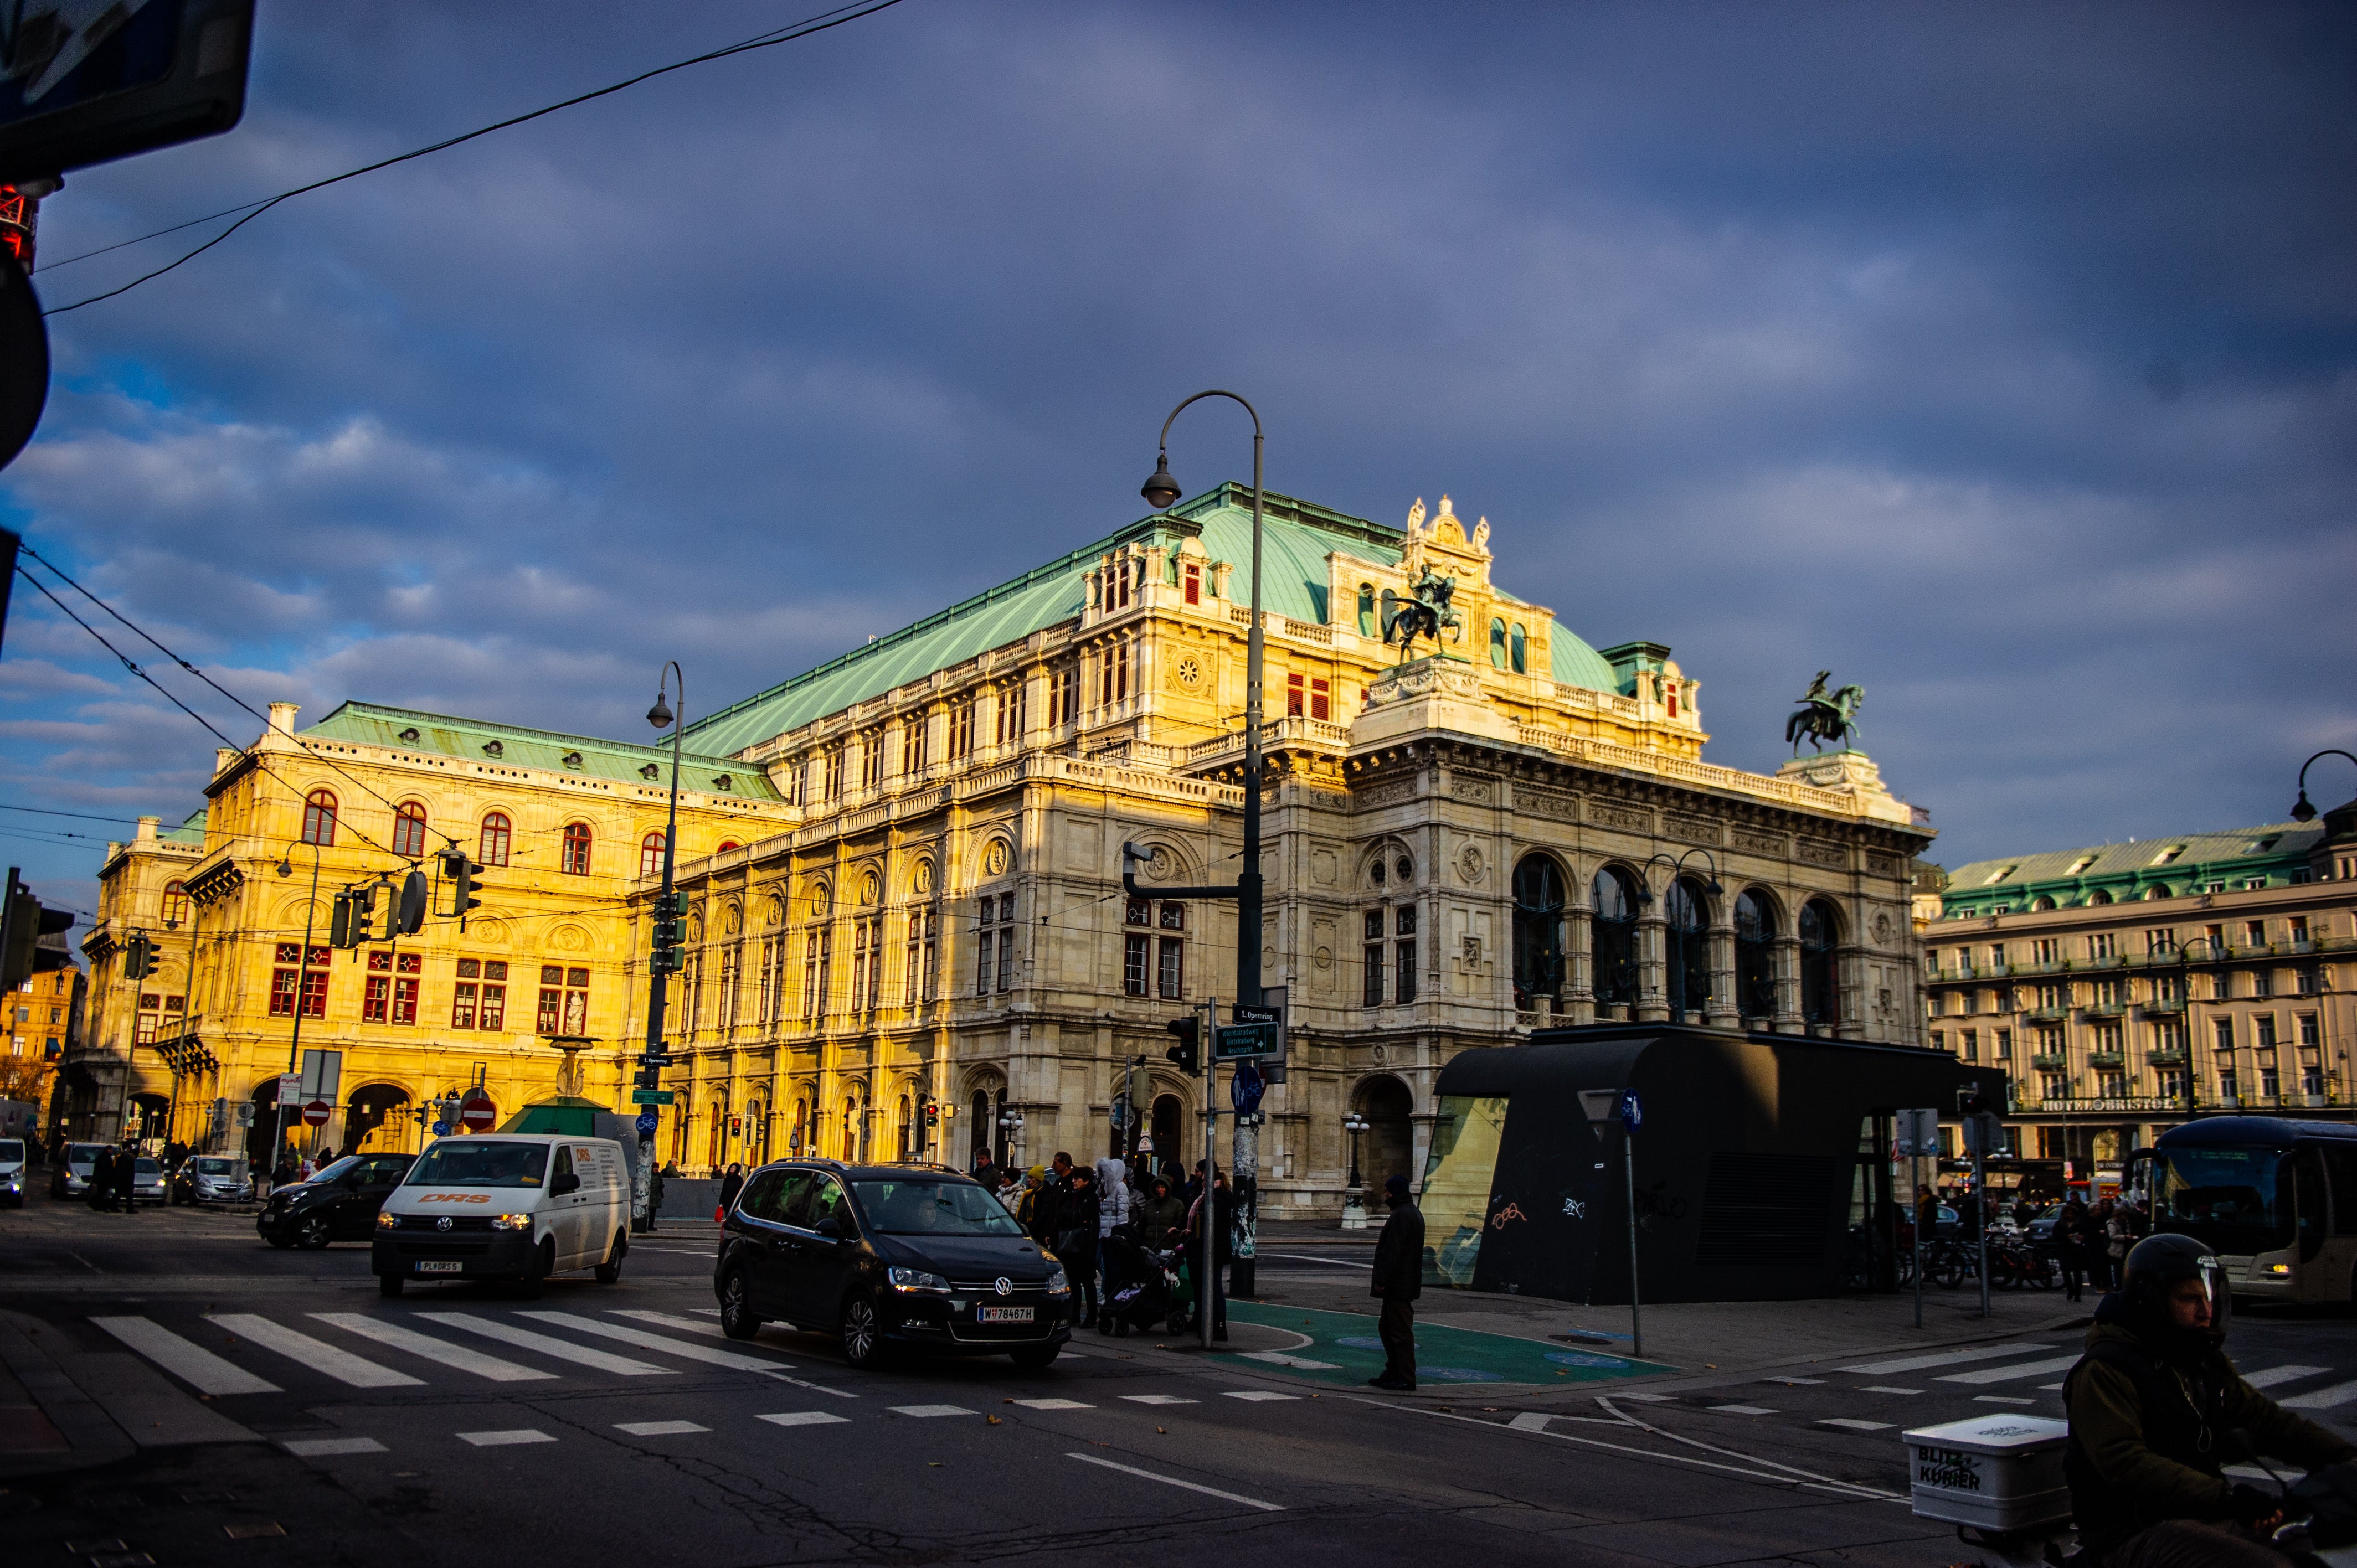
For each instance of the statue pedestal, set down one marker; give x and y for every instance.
(1435, 693)
(1848, 772)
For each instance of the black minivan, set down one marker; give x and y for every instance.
(888, 1255)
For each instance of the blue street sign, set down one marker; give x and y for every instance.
(646, 1121)
(441, 1129)
(1245, 1088)
(1632, 1114)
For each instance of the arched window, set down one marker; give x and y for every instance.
(176, 904)
(1497, 644)
(1755, 969)
(1390, 613)
(907, 1128)
(2040, 904)
(2157, 890)
(574, 861)
(1688, 939)
(650, 850)
(978, 1155)
(2098, 896)
(320, 818)
(409, 831)
(1612, 938)
(1538, 930)
(497, 832)
(1518, 651)
(725, 845)
(1366, 609)
(1819, 974)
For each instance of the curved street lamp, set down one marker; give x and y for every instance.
(302, 972)
(662, 717)
(1677, 869)
(2301, 810)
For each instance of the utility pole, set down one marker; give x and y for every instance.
(662, 947)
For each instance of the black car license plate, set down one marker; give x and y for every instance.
(1002, 1314)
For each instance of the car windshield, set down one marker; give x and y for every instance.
(933, 1207)
(2224, 1197)
(336, 1171)
(12, 1149)
(209, 1166)
(81, 1154)
(469, 1163)
(147, 1165)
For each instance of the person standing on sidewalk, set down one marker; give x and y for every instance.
(1399, 1279)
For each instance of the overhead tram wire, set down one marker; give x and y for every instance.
(807, 26)
(85, 816)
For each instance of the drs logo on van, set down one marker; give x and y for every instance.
(456, 1198)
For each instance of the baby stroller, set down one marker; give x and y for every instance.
(1140, 1295)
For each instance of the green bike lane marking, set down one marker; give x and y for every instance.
(1344, 1348)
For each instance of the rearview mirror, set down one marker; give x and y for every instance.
(559, 1185)
(831, 1227)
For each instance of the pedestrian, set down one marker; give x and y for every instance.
(101, 1193)
(2071, 1246)
(127, 1177)
(731, 1184)
(1025, 1207)
(654, 1197)
(1216, 1208)
(1113, 1217)
(1077, 1208)
(1399, 1279)
(283, 1173)
(1161, 1217)
(1046, 1222)
(2119, 1235)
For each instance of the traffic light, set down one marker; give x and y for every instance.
(407, 915)
(340, 923)
(138, 957)
(671, 930)
(23, 924)
(348, 926)
(933, 1114)
(1971, 1102)
(1188, 1052)
(462, 873)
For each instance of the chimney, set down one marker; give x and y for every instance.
(147, 826)
(281, 717)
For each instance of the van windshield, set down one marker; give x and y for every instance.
(12, 1149)
(473, 1163)
(933, 1208)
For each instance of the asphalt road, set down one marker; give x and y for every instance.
(461, 1426)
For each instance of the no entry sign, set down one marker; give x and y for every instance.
(476, 1112)
(316, 1113)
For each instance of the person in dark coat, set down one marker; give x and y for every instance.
(1161, 1216)
(126, 1178)
(1399, 1279)
(101, 1192)
(1076, 1239)
(731, 1184)
(654, 1197)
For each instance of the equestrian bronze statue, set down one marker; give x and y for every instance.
(1824, 718)
(1426, 614)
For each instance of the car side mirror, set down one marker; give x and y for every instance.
(559, 1185)
(831, 1227)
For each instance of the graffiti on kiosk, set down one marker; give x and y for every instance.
(1574, 1209)
(1512, 1211)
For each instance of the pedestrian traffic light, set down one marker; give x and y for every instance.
(933, 1114)
(670, 931)
(462, 873)
(1971, 1102)
(138, 957)
(1188, 1052)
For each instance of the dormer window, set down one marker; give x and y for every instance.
(2262, 845)
(651, 771)
(2080, 864)
(572, 759)
(493, 749)
(2001, 875)
(2169, 854)
(409, 735)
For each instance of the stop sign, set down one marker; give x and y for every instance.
(316, 1113)
(476, 1112)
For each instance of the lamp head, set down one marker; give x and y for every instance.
(2302, 811)
(660, 715)
(1161, 492)
(285, 866)
(1714, 890)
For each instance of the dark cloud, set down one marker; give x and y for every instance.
(1999, 360)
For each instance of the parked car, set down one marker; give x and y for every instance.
(888, 1255)
(517, 1207)
(338, 1204)
(71, 1176)
(148, 1180)
(212, 1179)
(12, 1171)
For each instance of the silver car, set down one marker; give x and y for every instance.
(212, 1179)
(147, 1179)
(71, 1178)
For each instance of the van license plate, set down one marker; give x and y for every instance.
(1002, 1314)
(449, 1268)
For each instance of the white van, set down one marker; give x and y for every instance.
(506, 1205)
(12, 1172)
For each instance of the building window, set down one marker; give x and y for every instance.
(1538, 930)
(817, 950)
(496, 834)
(2045, 950)
(563, 1000)
(1295, 694)
(479, 999)
(1136, 948)
(409, 831)
(574, 858)
(2309, 1039)
(1170, 954)
(994, 944)
(1820, 962)
(1193, 578)
(313, 981)
(1373, 989)
(1497, 644)
(2263, 983)
(962, 729)
(1518, 657)
(176, 904)
(921, 956)
(650, 850)
(320, 818)
(1366, 609)
(2101, 946)
(1612, 938)
(1321, 699)
(1113, 673)
(2004, 1056)
(1010, 714)
(1063, 695)
(1403, 954)
(1754, 970)
(142, 1029)
(1971, 1041)
(1116, 584)
(389, 993)
(1688, 938)
(912, 745)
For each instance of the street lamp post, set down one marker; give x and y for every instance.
(302, 978)
(2301, 810)
(662, 717)
(1010, 1134)
(1354, 1202)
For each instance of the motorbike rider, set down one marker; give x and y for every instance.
(2156, 1412)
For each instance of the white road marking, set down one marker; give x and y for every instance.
(668, 1321)
(1054, 1404)
(665, 1345)
(192, 1364)
(1530, 1421)
(2009, 1374)
(2001, 1399)
(1740, 1409)
(1279, 1359)
(2332, 1397)
(658, 1428)
(1887, 1388)
(563, 1351)
(802, 1418)
(1159, 1399)
(1794, 1382)
(1175, 1481)
(1854, 1424)
(1257, 1395)
(1648, 1399)
(1943, 1359)
(2273, 1375)
(328, 1447)
(504, 1439)
(927, 1410)
(431, 1349)
(316, 1354)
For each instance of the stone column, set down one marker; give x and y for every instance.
(1849, 977)
(1653, 969)
(1723, 1011)
(1785, 959)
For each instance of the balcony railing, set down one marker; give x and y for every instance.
(2107, 1059)
(2164, 1005)
(2104, 1010)
(2047, 1015)
(2056, 1062)
(2166, 1055)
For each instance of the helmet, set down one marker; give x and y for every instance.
(2157, 1265)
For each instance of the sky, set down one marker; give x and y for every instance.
(1997, 358)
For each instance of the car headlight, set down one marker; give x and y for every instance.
(1057, 1285)
(918, 1280)
(511, 1221)
(387, 1221)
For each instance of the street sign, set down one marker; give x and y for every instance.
(1119, 1114)
(85, 83)
(316, 1113)
(1231, 1041)
(653, 1058)
(1918, 1134)
(653, 1096)
(290, 1089)
(441, 1129)
(476, 1112)
(322, 1075)
(646, 1123)
(1632, 1111)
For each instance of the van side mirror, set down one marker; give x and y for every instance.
(559, 1185)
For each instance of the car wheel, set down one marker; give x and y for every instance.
(1031, 1357)
(736, 1318)
(543, 1264)
(313, 1235)
(388, 1286)
(611, 1269)
(862, 1332)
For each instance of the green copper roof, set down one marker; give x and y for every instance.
(189, 832)
(2126, 871)
(409, 730)
(1296, 538)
